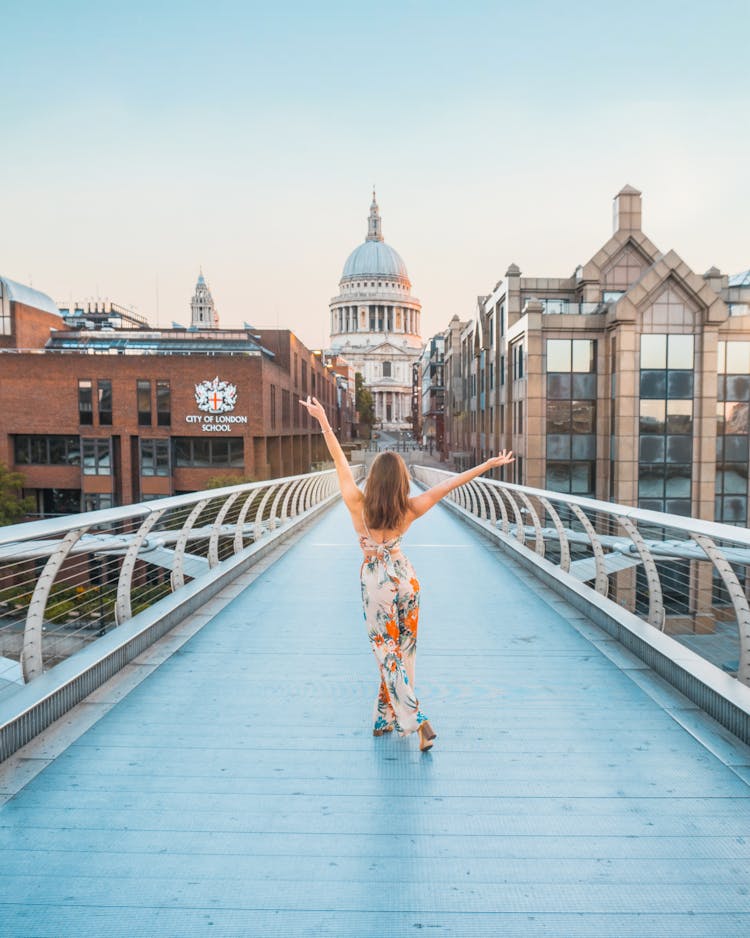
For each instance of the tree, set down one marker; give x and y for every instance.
(13, 506)
(363, 402)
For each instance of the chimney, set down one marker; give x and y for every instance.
(627, 210)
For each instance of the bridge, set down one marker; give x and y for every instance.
(185, 722)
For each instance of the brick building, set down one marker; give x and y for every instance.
(98, 409)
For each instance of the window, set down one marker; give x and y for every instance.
(192, 452)
(273, 405)
(155, 458)
(665, 444)
(46, 450)
(163, 404)
(732, 426)
(59, 502)
(85, 403)
(143, 395)
(286, 412)
(97, 459)
(304, 377)
(571, 416)
(386, 369)
(4, 312)
(104, 388)
(95, 501)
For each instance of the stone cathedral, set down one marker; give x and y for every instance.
(375, 323)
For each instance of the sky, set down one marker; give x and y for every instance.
(142, 142)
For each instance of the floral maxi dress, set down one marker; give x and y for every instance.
(390, 601)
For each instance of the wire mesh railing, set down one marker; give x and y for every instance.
(65, 582)
(684, 576)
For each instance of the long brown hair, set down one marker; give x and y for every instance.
(386, 492)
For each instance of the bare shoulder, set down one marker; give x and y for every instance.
(355, 504)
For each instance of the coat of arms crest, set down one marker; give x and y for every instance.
(216, 397)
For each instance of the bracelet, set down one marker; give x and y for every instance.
(328, 430)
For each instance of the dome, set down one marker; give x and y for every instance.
(374, 259)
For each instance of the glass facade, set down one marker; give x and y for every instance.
(571, 416)
(38, 450)
(5, 326)
(104, 388)
(665, 443)
(155, 458)
(85, 403)
(732, 417)
(192, 452)
(143, 398)
(163, 404)
(97, 457)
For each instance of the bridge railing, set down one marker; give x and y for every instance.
(66, 582)
(683, 576)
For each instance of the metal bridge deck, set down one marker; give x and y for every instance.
(237, 790)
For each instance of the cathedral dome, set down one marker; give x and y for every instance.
(374, 259)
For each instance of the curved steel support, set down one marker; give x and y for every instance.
(538, 536)
(656, 615)
(490, 501)
(469, 489)
(500, 501)
(177, 577)
(239, 541)
(601, 583)
(258, 523)
(739, 601)
(123, 610)
(520, 533)
(213, 542)
(280, 489)
(564, 545)
(32, 663)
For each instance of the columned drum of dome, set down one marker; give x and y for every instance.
(375, 323)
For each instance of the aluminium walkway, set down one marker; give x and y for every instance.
(237, 791)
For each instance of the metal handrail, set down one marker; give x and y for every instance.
(612, 541)
(66, 581)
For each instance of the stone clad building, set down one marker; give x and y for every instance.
(627, 381)
(375, 324)
(98, 409)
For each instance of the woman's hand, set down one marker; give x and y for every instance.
(502, 459)
(315, 409)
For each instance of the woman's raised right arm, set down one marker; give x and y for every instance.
(422, 503)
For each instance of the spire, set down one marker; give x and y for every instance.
(203, 313)
(374, 231)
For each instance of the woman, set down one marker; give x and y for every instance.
(390, 590)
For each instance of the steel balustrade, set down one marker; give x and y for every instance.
(66, 581)
(680, 575)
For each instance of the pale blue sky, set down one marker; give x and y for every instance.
(140, 142)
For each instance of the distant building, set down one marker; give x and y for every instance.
(628, 381)
(98, 409)
(432, 373)
(375, 324)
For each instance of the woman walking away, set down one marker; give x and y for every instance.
(390, 590)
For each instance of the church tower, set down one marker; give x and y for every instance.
(203, 314)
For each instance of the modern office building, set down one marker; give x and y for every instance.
(99, 409)
(375, 324)
(627, 381)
